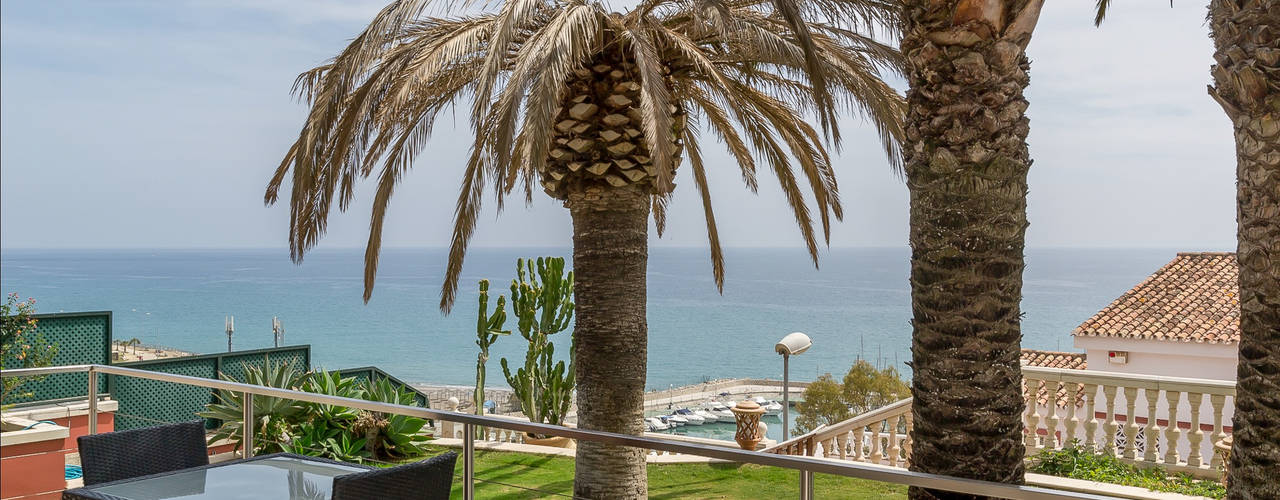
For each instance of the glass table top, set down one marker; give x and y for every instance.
(268, 478)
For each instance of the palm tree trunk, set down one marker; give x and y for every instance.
(966, 164)
(1246, 35)
(610, 255)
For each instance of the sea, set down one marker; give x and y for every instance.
(856, 305)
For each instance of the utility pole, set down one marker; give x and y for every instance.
(277, 329)
(231, 328)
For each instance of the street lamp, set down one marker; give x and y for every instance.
(794, 343)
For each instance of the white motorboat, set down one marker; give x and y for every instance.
(770, 407)
(674, 419)
(656, 424)
(690, 417)
(707, 416)
(720, 411)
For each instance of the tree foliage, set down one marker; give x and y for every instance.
(21, 346)
(864, 388)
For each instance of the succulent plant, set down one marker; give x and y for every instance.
(542, 300)
(488, 329)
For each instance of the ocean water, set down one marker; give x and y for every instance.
(856, 306)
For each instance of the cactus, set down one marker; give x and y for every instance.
(488, 329)
(542, 300)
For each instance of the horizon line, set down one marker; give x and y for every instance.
(679, 247)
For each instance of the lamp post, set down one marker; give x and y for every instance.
(794, 343)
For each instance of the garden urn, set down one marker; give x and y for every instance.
(748, 413)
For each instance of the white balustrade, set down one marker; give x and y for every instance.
(1145, 412)
(879, 436)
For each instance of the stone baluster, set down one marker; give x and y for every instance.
(894, 447)
(1171, 432)
(1195, 399)
(906, 445)
(1091, 421)
(1217, 401)
(842, 444)
(875, 444)
(827, 447)
(1131, 422)
(1073, 423)
(1153, 426)
(858, 452)
(1051, 436)
(1109, 396)
(1033, 413)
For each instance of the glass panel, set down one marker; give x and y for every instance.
(277, 477)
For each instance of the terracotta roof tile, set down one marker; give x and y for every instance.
(1055, 359)
(1193, 298)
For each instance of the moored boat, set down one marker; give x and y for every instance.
(690, 417)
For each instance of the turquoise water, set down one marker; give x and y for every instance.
(857, 305)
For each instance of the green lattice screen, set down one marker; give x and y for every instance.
(234, 364)
(375, 373)
(149, 402)
(82, 338)
(144, 403)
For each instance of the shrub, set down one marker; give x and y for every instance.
(329, 431)
(20, 345)
(1085, 463)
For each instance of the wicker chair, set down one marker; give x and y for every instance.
(428, 480)
(124, 454)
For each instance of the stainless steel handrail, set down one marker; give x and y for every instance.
(804, 464)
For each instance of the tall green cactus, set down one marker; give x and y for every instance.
(488, 329)
(542, 300)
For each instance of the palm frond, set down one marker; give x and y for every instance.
(751, 73)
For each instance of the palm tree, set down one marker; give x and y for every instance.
(1246, 83)
(597, 108)
(966, 162)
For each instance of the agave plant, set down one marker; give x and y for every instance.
(272, 416)
(596, 108)
(390, 436)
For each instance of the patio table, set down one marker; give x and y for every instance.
(275, 476)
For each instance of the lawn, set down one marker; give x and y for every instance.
(504, 475)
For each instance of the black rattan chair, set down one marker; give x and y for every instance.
(139, 452)
(427, 480)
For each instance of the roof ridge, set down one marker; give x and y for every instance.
(1195, 254)
(1074, 353)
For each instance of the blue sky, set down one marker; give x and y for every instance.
(158, 124)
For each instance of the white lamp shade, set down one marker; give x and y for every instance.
(793, 344)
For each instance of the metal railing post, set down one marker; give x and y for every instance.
(806, 485)
(93, 401)
(468, 461)
(248, 425)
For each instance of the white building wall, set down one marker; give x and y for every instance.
(1163, 358)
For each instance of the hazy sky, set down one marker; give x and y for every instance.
(158, 124)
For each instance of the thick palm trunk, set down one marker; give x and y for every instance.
(1247, 84)
(966, 165)
(610, 254)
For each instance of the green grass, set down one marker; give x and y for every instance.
(504, 475)
(1083, 463)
